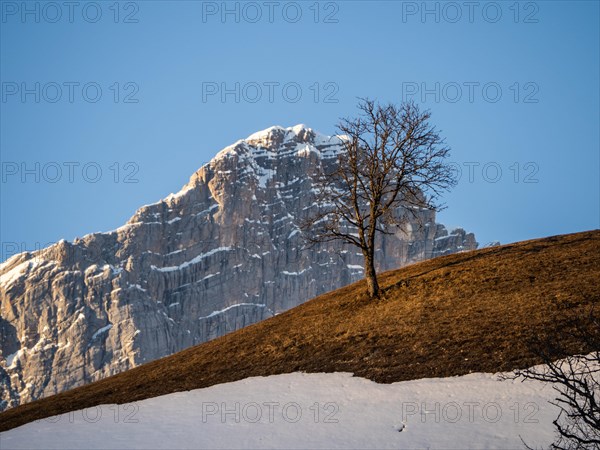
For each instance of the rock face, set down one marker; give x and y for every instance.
(222, 253)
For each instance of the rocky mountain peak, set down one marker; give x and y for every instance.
(222, 253)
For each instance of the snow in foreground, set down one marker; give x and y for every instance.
(300, 410)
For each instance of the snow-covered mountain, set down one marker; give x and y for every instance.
(222, 253)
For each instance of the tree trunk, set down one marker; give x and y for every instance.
(370, 275)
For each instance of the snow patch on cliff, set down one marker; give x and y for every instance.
(196, 260)
(237, 305)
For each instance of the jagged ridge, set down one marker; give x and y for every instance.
(222, 253)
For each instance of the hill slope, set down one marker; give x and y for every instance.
(452, 315)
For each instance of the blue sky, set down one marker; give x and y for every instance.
(514, 87)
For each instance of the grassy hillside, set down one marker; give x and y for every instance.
(469, 312)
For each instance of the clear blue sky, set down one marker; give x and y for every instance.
(543, 56)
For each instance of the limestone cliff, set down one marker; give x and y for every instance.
(222, 253)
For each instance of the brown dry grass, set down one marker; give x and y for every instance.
(468, 312)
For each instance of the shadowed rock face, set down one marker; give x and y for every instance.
(223, 253)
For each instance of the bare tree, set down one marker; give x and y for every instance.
(576, 380)
(393, 164)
